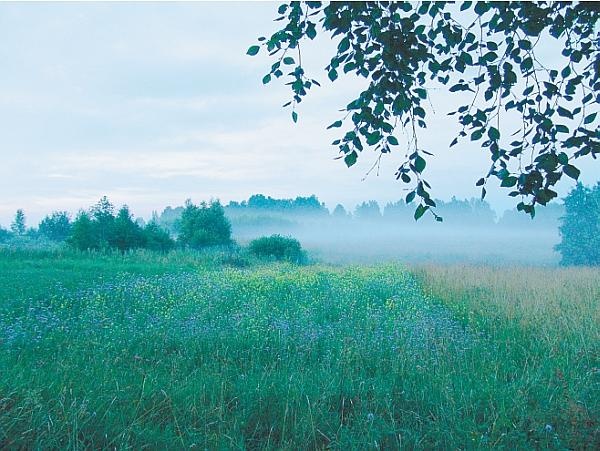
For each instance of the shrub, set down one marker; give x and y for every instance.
(279, 248)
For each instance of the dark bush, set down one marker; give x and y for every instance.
(279, 248)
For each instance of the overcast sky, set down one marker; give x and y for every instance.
(151, 104)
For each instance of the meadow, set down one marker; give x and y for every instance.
(217, 351)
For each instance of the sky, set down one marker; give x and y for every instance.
(153, 103)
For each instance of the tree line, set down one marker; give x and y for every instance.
(101, 227)
(207, 224)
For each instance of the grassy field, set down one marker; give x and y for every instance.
(194, 351)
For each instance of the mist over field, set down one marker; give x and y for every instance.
(471, 232)
(340, 241)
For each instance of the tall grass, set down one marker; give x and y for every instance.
(545, 325)
(182, 351)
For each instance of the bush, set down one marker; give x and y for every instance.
(580, 227)
(204, 225)
(279, 248)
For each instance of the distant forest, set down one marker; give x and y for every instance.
(269, 213)
(260, 211)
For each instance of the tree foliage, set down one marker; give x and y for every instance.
(18, 226)
(487, 50)
(339, 212)
(4, 235)
(83, 234)
(126, 234)
(157, 238)
(580, 227)
(204, 225)
(103, 215)
(299, 205)
(368, 210)
(279, 248)
(56, 227)
(101, 229)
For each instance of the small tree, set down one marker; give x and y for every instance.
(83, 233)
(339, 212)
(125, 234)
(56, 227)
(18, 225)
(204, 225)
(580, 227)
(103, 215)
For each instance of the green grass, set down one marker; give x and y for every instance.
(110, 351)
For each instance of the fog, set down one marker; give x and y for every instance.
(363, 241)
(471, 232)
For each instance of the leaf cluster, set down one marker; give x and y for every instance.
(487, 50)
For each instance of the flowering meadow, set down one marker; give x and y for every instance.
(192, 350)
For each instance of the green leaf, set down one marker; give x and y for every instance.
(476, 135)
(344, 45)
(253, 50)
(288, 60)
(494, 134)
(589, 118)
(419, 164)
(332, 74)
(507, 182)
(410, 197)
(294, 116)
(350, 159)
(527, 64)
(563, 158)
(266, 79)
(336, 124)
(373, 138)
(392, 140)
(564, 112)
(420, 211)
(571, 171)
